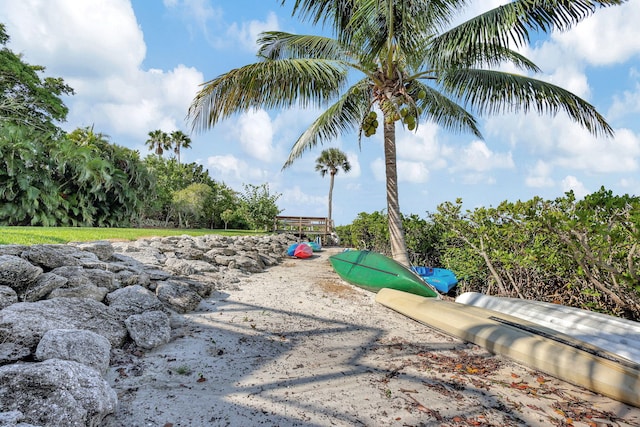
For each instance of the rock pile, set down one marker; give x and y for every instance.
(65, 310)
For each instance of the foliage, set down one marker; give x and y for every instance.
(104, 184)
(158, 141)
(259, 206)
(29, 192)
(190, 203)
(171, 177)
(25, 98)
(79, 179)
(578, 253)
(413, 62)
(369, 231)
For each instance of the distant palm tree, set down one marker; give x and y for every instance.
(158, 141)
(330, 162)
(415, 63)
(179, 140)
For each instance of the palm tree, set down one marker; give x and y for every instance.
(413, 65)
(331, 161)
(158, 141)
(179, 140)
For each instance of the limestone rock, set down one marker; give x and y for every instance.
(179, 296)
(7, 297)
(23, 324)
(133, 300)
(56, 393)
(17, 273)
(150, 329)
(77, 345)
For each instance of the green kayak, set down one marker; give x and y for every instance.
(374, 271)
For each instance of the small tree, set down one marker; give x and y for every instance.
(190, 203)
(259, 206)
(330, 162)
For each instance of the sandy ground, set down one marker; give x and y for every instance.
(296, 346)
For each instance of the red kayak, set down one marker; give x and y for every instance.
(303, 251)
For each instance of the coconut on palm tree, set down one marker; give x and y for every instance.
(330, 162)
(179, 140)
(408, 60)
(158, 141)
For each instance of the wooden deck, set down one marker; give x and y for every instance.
(303, 226)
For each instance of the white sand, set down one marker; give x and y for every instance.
(296, 346)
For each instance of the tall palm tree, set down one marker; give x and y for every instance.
(158, 141)
(330, 162)
(179, 140)
(413, 65)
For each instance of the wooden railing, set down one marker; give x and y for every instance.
(303, 226)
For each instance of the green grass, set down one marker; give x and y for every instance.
(49, 235)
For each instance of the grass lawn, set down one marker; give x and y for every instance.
(48, 235)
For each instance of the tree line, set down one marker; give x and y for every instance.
(582, 253)
(55, 178)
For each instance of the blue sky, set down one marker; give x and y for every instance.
(136, 66)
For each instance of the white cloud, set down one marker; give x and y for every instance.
(477, 156)
(247, 32)
(234, 171)
(198, 14)
(76, 38)
(355, 170)
(608, 37)
(539, 176)
(572, 183)
(421, 145)
(295, 196)
(256, 134)
(79, 42)
(625, 104)
(414, 172)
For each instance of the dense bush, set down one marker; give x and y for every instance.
(72, 180)
(579, 253)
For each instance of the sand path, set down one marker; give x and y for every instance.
(296, 346)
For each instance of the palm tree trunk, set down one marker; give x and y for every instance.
(331, 194)
(396, 232)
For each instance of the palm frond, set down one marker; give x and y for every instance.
(445, 112)
(268, 84)
(492, 92)
(335, 12)
(280, 45)
(343, 116)
(512, 23)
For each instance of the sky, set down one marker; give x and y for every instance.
(136, 65)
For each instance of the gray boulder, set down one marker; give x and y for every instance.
(150, 329)
(43, 286)
(17, 273)
(7, 297)
(178, 296)
(77, 345)
(88, 290)
(133, 300)
(184, 267)
(53, 256)
(56, 393)
(23, 324)
(13, 419)
(101, 248)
